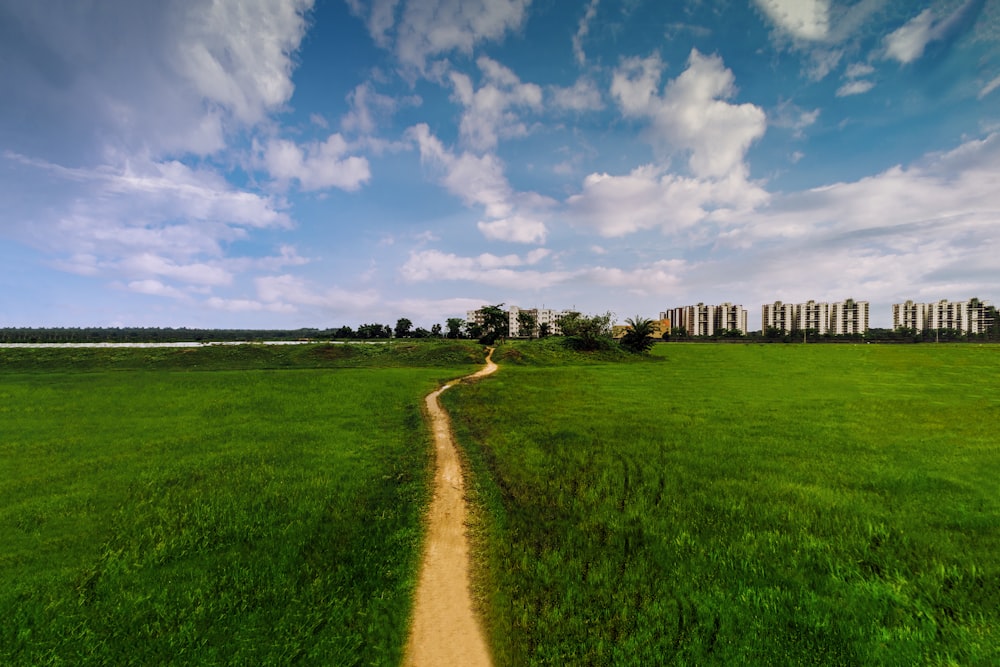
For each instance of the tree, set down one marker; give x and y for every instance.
(473, 330)
(436, 330)
(344, 332)
(586, 333)
(496, 324)
(544, 329)
(403, 326)
(638, 337)
(454, 325)
(526, 324)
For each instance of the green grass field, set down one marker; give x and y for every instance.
(219, 505)
(736, 504)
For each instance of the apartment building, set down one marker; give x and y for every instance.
(542, 316)
(778, 315)
(848, 317)
(909, 315)
(705, 320)
(840, 318)
(970, 317)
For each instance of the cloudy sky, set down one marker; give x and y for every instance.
(279, 164)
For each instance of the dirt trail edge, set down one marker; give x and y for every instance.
(445, 629)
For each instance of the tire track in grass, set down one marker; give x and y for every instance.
(445, 630)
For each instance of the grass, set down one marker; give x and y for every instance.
(217, 505)
(739, 504)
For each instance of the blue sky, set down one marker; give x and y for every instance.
(242, 163)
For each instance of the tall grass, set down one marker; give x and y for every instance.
(833, 505)
(194, 514)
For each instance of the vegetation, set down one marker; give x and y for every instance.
(638, 338)
(739, 504)
(214, 505)
(585, 333)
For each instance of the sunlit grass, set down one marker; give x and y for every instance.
(195, 514)
(740, 505)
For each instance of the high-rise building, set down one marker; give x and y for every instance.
(842, 317)
(969, 317)
(702, 320)
(778, 315)
(848, 317)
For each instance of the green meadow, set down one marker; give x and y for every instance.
(738, 504)
(219, 505)
(708, 504)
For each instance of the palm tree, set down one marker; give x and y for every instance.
(639, 336)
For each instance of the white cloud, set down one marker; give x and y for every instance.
(432, 27)
(155, 288)
(369, 108)
(648, 198)
(581, 96)
(516, 228)
(490, 111)
(237, 53)
(503, 271)
(989, 88)
(943, 195)
(854, 88)
(478, 180)
(692, 115)
(380, 19)
(858, 70)
(907, 43)
(316, 166)
(292, 292)
(793, 117)
(583, 29)
(802, 19)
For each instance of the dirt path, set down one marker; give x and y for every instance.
(445, 629)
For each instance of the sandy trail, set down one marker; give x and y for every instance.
(445, 629)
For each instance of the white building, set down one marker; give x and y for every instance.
(702, 320)
(969, 317)
(542, 316)
(842, 317)
(778, 315)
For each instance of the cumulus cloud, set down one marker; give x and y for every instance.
(802, 19)
(515, 228)
(292, 292)
(581, 96)
(478, 180)
(162, 78)
(370, 108)
(316, 166)
(423, 29)
(691, 115)
(490, 111)
(649, 198)
(506, 271)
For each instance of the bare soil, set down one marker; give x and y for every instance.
(445, 628)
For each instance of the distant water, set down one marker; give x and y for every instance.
(188, 343)
(184, 344)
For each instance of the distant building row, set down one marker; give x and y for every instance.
(839, 318)
(702, 320)
(544, 318)
(971, 317)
